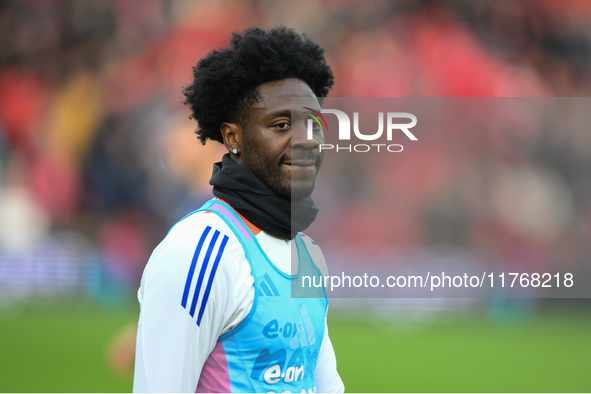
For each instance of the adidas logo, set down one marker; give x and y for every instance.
(267, 287)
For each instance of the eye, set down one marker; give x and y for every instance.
(314, 125)
(282, 125)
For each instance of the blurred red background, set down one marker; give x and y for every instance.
(98, 158)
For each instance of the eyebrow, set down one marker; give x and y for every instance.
(279, 113)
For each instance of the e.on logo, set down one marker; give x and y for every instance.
(395, 121)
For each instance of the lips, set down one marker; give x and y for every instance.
(300, 159)
(301, 163)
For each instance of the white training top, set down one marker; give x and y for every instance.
(171, 348)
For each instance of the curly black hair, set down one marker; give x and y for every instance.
(225, 82)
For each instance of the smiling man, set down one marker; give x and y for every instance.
(217, 312)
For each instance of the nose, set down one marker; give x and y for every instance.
(300, 140)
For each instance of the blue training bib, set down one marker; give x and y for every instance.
(276, 347)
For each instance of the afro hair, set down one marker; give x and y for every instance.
(225, 82)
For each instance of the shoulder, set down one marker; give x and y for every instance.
(197, 221)
(315, 253)
(200, 247)
(190, 234)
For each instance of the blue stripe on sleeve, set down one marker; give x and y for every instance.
(193, 265)
(211, 276)
(202, 272)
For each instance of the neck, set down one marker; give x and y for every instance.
(255, 201)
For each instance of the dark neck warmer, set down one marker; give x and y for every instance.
(248, 195)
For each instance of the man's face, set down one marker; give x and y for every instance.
(275, 144)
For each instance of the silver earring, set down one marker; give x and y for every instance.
(234, 150)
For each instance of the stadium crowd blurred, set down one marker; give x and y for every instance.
(98, 158)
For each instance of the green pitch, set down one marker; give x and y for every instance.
(63, 350)
(547, 353)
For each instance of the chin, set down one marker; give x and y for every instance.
(292, 190)
(301, 191)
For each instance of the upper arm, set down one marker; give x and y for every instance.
(185, 304)
(316, 254)
(326, 376)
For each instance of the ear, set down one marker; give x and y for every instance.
(232, 133)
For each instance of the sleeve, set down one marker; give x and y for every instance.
(315, 253)
(326, 375)
(186, 304)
